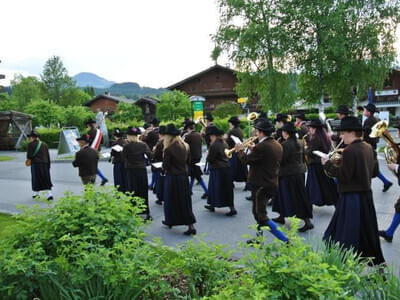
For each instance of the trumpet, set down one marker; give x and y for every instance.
(201, 122)
(243, 145)
(251, 117)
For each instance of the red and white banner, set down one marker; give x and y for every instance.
(97, 140)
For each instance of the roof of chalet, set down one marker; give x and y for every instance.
(109, 97)
(216, 66)
(147, 99)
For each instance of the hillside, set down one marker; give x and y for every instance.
(85, 79)
(130, 90)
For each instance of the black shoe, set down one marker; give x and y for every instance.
(279, 220)
(209, 207)
(148, 218)
(159, 202)
(36, 197)
(164, 223)
(231, 213)
(387, 186)
(253, 241)
(150, 188)
(204, 196)
(190, 231)
(306, 227)
(249, 198)
(50, 198)
(383, 234)
(104, 181)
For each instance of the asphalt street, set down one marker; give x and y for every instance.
(15, 187)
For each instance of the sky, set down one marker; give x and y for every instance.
(152, 42)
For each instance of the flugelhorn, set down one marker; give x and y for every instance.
(252, 116)
(335, 157)
(243, 145)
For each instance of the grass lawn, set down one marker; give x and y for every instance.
(5, 158)
(5, 220)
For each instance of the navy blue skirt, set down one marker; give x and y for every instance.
(177, 201)
(159, 185)
(119, 173)
(354, 225)
(40, 176)
(220, 188)
(321, 190)
(292, 198)
(238, 169)
(137, 183)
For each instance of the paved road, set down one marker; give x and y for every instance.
(15, 189)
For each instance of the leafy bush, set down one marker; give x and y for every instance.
(92, 246)
(227, 109)
(50, 136)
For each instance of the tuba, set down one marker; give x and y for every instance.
(391, 150)
(245, 144)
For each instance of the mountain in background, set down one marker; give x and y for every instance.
(86, 79)
(130, 90)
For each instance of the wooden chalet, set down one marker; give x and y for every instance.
(215, 84)
(106, 103)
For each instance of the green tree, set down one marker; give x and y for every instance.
(253, 35)
(6, 103)
(45, 113)
(25, 90)
(73, 96)
(55, 78)
(227, 109)
(341, 46)
(127, 112)
(90, 91)
(76, 116)
(173, 105)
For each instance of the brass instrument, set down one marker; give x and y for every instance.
(201, 122)
(243, 145)
(251, 117)
(335, 157)
(391, 150)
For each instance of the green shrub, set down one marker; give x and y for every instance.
(75, 240)
(50, 136)
(92, 246)
(45, 113)
(76, 116)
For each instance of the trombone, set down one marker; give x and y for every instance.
(243, 145)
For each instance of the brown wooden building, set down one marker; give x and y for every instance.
(106, 103)
(215, 84)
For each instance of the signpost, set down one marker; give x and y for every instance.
(243, 102)
(197, 107)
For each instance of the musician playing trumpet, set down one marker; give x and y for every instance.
(388, 233)
(354, 224)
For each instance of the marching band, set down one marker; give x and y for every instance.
(293, 165)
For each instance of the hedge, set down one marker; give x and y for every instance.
(93, 246)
